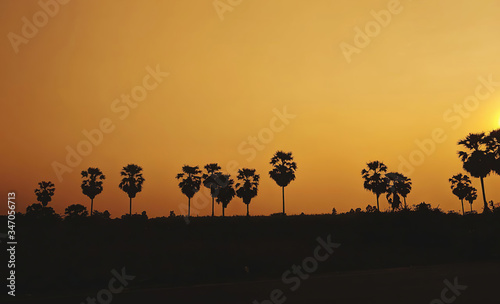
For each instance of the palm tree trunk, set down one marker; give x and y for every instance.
(223, 209)
(189, 206)
(283, 192)
(462, 200)
(130, 212)
(91, 206)
(404, 198)
(248, 214)
(378, 208)
(470, 207)
(486, 209)
(212, 206)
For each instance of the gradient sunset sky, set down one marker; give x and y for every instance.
(227, 78)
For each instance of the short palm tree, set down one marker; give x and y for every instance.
(478, 159)
(375, 179)
(283, 171)
(92, 184)
(211, 181)
(131, 182)
(460, 186)
(226, 192)
(471, 196)
(397, 184)
(190, 182)
(247, 188)
(44, 192)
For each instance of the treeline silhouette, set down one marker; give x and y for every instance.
(221, 185)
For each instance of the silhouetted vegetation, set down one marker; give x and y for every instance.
(211, 181)
(190, 183)
(167, 252)
(247, 189)
(131, 182)
(226, 191)
(92, 184)
(283, 171)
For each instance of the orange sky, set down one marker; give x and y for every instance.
(226, 78)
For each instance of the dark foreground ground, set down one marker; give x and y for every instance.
(399, 285)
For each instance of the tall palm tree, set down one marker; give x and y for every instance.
(210, 180)
(493, 144)
(92, 184)
(44, 192)
(471, 196)
(131, 182)
(478, 159)
(375, 179)
(247, 189)
(460, 186)
(283, 171)
(190, 182)
(226, 192)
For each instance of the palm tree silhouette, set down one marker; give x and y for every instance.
(226, 192)
(247, 189)
(190, 182)
(460, 186)
(493, 144)
(131, 182)
(397, 184)
(403, 184)
(283, 171)
(375, 179)
(92, 184)
(478, 160)
(471, 196)
(44, 192)
(210, 181)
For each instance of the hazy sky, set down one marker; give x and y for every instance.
(424, 67)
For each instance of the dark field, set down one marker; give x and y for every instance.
(383, 258)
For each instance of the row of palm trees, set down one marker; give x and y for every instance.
(222, 186)
(379, 181)
(480, 158)
(461, 186)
